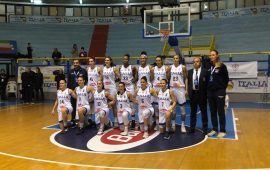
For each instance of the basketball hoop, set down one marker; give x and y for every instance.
(164, 33)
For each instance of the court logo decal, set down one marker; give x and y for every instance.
(112, 142)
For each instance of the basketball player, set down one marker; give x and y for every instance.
(160, 72)
(166, 105)
(178, 83)
(63, 104)
(102, 105)
(83, 107)
(128, 75)
(123, 99)
(144, 70)
(145, 109)
(110, 74)
(94, 74)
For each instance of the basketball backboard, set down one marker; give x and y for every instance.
(176, 21)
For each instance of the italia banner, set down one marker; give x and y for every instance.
(258, 85)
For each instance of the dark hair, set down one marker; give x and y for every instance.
(102, 84)
(82, 48)
(144, 78)
(180, 58)
(92, 59)
(143, 53)
(128, 56)
(166, 81)
(63, 80)
(215, 51)
(81, 76)
(123, 85)
(110, 58)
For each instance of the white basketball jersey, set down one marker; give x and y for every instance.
(82, 96)
(122, 101)
(100, 100)
(93, 77)
(109, 78)
(63, 98)
(159, 74)
(177, 75)
(143, 71)
(164, 100)
(144, 98)
(126, 74)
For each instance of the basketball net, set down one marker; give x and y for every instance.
(164, 33)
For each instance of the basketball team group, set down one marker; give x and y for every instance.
(145, 92)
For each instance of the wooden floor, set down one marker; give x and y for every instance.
(25, 145)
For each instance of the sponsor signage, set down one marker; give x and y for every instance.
(258, 85)
(256, 11)
(73, 20)
(242, 69)
(48, 76)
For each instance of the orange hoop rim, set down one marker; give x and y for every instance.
(164, 32)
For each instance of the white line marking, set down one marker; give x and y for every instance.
(234, 125)
(73, 164)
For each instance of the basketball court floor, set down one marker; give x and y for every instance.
(30, 139)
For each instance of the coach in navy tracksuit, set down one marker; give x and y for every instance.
(73, 83)
(216, 92)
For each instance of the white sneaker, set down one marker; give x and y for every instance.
(221, 135)
(183, 129)
(100, 131)
(212, 133)
(125, 133)
(173, 128)
(156, 128)
(145, 135)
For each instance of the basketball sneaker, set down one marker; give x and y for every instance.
(212, 133)
(145, 135)
(125, 133)
(133, 124)
(100, 131)
(167, 135)
(221, 135)
(183, 129)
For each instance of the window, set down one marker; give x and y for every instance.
(259, 2)
(77, 12)
(231, 4)
(61, 11)
(2, 9)
(108, 11)
(213, 6)
(85, 12)
(195, 7)
(93, 12)
(69, 12)
(19, 10)
(221, 5)
(100, 11)
(45, 11)
(249, 3)
(36, 10)
(240, 3)
(27, 10)
(53, 11)
(116, 11)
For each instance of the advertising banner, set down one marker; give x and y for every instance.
(258, 85)
(48, 76)
(228, 13)
(73, 20)
(242, 69)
